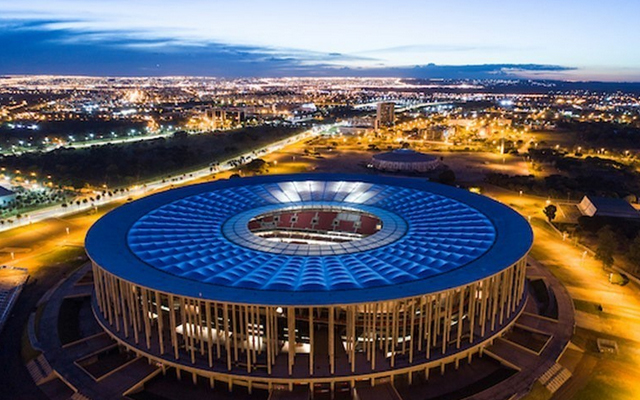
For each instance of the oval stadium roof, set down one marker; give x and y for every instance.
(194, 241)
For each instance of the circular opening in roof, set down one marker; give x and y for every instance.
(314, 226)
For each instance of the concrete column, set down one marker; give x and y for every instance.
(332, 341)
(291, 328)
(227, 340)
(172, 326)
(209, 334)
(311, 345)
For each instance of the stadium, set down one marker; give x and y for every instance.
(405, 160)
(320, 281)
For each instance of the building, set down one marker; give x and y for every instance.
(6, 196)
(358, 126)
(221, 117)
(592, 206)
(311, 281)
(385, 115)
(404, 160)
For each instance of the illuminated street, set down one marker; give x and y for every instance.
(334, 201)
(582, 275)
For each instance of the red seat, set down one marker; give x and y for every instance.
(345, 226)
(325, 221)
(304, 220)
(368, 225)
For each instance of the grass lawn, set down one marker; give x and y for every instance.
(72, 256)
(604, 384)
(28, 352)
(538, 392)
(615, 375)
(586, 306)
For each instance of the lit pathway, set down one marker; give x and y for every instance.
(587, 282)
(140, 190)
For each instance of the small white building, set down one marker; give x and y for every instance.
(592, 206)
(6, 196)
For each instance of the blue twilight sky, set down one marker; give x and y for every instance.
(564, 39)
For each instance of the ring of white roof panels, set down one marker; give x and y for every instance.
(343, 333)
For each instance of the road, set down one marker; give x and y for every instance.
(39, 246)
(582, 275)
(612, 376)
(37, 243)
(374, 104)
(79, 145)
(57, 211)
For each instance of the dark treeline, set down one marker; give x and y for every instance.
(604, 134)
(625, 229)
(129, 163)
(576, 177)
(564, 187)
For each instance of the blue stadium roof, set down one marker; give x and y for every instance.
(195, 241)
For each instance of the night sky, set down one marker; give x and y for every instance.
(575, 40)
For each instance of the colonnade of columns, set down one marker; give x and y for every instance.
(318, 341)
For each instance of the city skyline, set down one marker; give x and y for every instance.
(566, 41)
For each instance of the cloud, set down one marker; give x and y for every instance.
(428, 48)
(35, 47)
(482, 71)
(52, 47)
(357, 33)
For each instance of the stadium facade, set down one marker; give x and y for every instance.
(318, 280)
(405, 160)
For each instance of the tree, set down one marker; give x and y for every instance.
(256, 166)
(180, 135)
(633, 254)
(550, 212)
(606, 246)
(447, 177)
